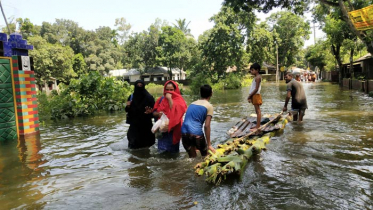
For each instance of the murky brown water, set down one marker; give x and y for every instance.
(324, 163)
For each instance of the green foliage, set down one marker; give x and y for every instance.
(371, 94)
(135, 50)
(246, 80)
(232, 81)
(44, 108)
(298, 6)
(360, 77)
(154, 89)
(292, 30)
(172, 50)
(86, 95)
(79, 65)
(142, 49)
(316, 54)
(183, 26)
(222, 46)
(26, 28)
(51, 60)
(123, 29)
(198, 80)
(261, 44)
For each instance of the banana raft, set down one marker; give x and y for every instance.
(232, 157)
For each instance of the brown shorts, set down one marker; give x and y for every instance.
(199, 142)
(257, 99)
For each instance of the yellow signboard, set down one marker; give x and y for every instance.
(362, 18)
(282, 68)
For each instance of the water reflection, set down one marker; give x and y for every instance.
(20, 171)
(29, 148)
(140, 176)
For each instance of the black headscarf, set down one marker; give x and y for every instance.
(141, 99)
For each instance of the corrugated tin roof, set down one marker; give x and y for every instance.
(156, 70)
(132, 72)
(163, 70)
(117, 72)
(365, 57)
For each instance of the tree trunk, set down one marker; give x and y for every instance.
(336, 52)
(170, 72)
(351, 63)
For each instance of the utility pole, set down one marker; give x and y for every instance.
(6, 22)
(314, 33)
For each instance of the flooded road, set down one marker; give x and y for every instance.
(324, 163)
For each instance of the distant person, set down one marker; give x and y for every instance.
(254, 94)
(174, 107)
(313, 77)
(297, 77)
(296, 92)
(139, 134)
(199, 112)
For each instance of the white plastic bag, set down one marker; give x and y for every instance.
(161, 124)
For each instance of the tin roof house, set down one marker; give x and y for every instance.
(151, 75)
(161, 74)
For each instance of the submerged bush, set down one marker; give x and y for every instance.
(247, 80)
(197, 81)
(231, 81)
(84, 96)
(154, 89)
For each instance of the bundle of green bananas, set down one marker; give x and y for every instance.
(232, 156)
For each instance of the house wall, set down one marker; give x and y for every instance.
(356, 84)
(361, 85)
(346, 83)
(326, 75)
(133, 78)
(369, 86)
(368, 68)
(269, 77)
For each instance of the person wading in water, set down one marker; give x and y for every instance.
(139, 134)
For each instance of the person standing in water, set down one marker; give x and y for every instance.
(254, 94)
(197, 117)
(296, 92)
(139, 134)
(174, 107)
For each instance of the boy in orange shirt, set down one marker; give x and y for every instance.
(254, 95)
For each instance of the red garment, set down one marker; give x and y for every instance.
(175, 115)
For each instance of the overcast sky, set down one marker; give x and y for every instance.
(91, 14)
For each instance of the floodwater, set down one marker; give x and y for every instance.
(324, 163)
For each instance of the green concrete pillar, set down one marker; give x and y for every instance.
(8, 124)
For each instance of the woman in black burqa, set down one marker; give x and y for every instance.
(139, 134)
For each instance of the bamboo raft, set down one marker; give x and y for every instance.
(232, 157)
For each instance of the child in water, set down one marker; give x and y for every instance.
(254, 94)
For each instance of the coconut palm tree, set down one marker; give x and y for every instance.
(183, 26)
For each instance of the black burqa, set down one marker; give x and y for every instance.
(139, 134)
